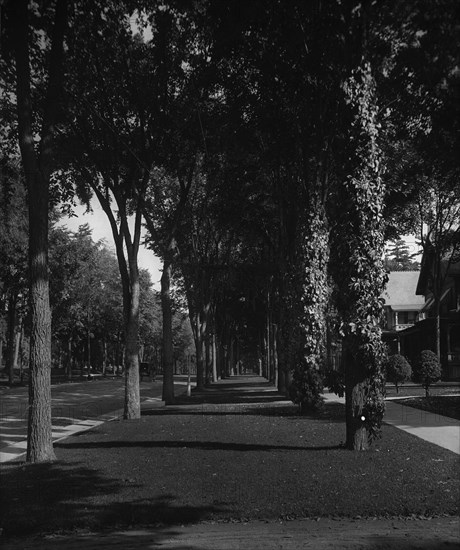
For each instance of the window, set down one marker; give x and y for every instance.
(407, 317)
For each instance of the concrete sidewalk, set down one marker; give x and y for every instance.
(435, 428)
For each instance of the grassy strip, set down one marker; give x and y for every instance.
(418, 391)
(225, 463)
(448, 405)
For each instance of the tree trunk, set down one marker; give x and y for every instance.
(437, 332)
(199, 362)
(356, 385)
(275, 355)
(197, 338)
(268, 348)
(69, 359)
(214, 358)
(11, 339)
(225, 362)
(88, 340)
(104, 357)
(37, 169)
(132, 392)
(282, 388)
(39, 437)
(21, 366)
(17, 345)
(168, 350)
(1, 351)
(208, 356)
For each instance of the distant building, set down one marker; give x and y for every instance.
(411, 320)
(403, 307)
(423, 335)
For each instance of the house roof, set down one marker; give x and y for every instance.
(400, 291)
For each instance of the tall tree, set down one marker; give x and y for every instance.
(359, 239)
(397, 257)
(37, 158)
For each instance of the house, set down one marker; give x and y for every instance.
(403, 307)
(422, 335)
(410, 322)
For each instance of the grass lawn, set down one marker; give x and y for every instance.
(446, 405)
(417, 391)
(225, 463)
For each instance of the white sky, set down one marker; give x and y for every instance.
(100, 225)
(414, 248)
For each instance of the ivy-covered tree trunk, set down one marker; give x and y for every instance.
(359, 268)
(312, 257)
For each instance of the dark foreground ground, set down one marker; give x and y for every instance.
(232, 466)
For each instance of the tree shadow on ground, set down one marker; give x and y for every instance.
(40, 498)
(229, 397)
(232, 391)
(330, 412)
(201, 445)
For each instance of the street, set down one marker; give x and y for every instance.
(76, 407)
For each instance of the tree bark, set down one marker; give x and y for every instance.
(437, 331)
(168, 351)
(11, 339)
(69, 359)
(355, 384)
(199, 362)
(214, 358)
(132, 392)
(275, 355)
(37, 168)
(104, 357)
(17, 345)
(208, 356)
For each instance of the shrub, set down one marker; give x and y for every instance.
(397, 370)
(305, 390)
(427, 370)
(334, 380)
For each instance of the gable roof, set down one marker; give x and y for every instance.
(400, 291)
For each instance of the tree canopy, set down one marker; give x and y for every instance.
(269, 148)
